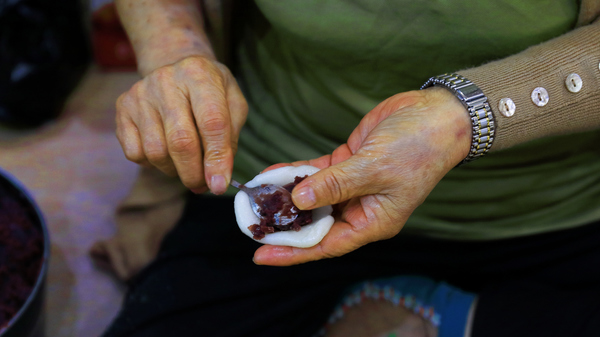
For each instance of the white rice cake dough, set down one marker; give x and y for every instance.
(308, 236)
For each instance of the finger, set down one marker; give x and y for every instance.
(343, 152)
(363, 129)
(149, 127)
(238, 108)
(362, 222)
(350, 178)
(211, 112)
(341, 239)
(183, 141)
(382, 111)
(129, 138)
(127, 132)
(287, 256)
(153, 139)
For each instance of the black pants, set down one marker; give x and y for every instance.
(204, 282)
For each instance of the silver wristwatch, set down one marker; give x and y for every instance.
(477, 104)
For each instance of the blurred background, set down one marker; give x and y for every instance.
(62, 66)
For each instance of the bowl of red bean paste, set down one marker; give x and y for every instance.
(24, 254)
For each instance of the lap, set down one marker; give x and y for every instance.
(205, 283)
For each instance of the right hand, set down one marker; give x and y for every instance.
(185, 119)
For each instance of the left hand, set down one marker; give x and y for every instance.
(391, 162)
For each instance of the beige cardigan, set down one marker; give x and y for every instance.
(546, 65)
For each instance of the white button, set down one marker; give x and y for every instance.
(506, 107)
(574, 83)
(539, 96)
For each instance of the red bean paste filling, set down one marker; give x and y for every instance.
(272, 205)
(21, 253)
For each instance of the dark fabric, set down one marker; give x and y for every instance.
(204, 282)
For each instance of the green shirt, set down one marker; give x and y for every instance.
(312, 69)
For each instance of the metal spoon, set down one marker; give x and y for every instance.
(260, 195)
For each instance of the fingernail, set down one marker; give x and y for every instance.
(218, 184)
(305, 198)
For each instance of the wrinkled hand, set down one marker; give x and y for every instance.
(184, 119)
(391, 162)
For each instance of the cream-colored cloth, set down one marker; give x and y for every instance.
(143, 218)
(152, 187)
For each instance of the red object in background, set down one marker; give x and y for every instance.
(112, 49)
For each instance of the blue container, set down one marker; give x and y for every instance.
(29, 320)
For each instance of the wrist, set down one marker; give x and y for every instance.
(170, 48)
(454, 124)
(165, 32)
(483, 127)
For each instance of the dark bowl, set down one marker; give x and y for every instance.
(28, 321)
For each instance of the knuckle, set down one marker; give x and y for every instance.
(156, 154)
(234, 146)
(214, 126)
(416, 98)
(164, 86)
(224, 69)
(334, 185)
(197, 66)
(192, 62)
(137, 89)
(169, 110)
(160, 84)
(163, 74)
(182, 141)
(131, 151)
(215, 156)
(204, 73)
(209, 78)
(137, 93)
(329, 251)
(133, 155)
(125, 102)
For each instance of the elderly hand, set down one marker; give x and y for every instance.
(185, 119)
(391, 162)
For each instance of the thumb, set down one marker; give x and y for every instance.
(336, 184)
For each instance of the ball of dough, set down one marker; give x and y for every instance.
(308, 236)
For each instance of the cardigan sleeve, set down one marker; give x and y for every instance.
(546, 65)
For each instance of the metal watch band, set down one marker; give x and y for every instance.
(476, 103)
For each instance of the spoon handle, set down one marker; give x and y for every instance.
(236, 184)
